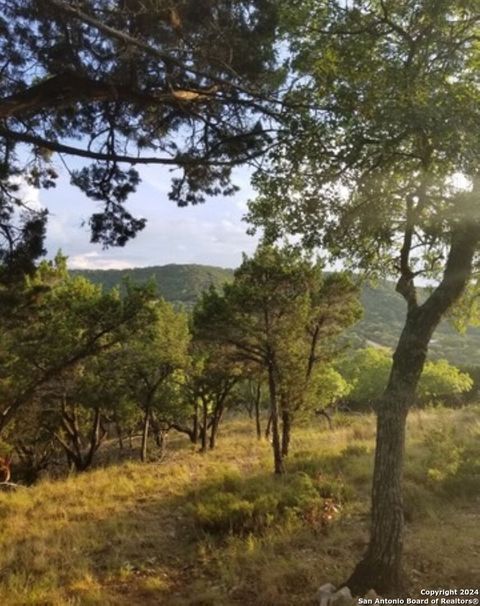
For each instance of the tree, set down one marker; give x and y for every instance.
(146, 361)
(393, 105)
(278, 315)
(368, 370)
(254, 315)
(441, 380)
(127, 83)
(332, 306)
(65, 321)
(327, 388)
(210, 381)
(79, 424)
(250, 394)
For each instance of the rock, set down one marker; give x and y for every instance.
(343, 597)
(371, 594)
(325, 594)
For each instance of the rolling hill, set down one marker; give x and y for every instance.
(381, 324)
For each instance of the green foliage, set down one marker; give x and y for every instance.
(385, 124)
(327, 386)
(177, 284)
(453, 461)
(61, 321)
(367, 371)
(444, 454)
(382, 321)
(160, 116)
(239, 506)
(441, 379)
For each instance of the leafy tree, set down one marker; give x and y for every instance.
(327, 387)
(146, 361)
(275, 316)
(69, 320)
(127, 83)
(441, 380)
(368, 371)
(368, 172)
(78, 424)
(209, 385)
(332, 306)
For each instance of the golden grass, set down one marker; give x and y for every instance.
(125, 535)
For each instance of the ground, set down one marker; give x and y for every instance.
(219, 529)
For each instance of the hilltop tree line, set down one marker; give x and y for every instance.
(81, 366)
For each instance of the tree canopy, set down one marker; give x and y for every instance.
(128, 83)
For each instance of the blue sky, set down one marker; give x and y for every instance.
(212, 233)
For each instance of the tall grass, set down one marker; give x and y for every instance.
(219, 529)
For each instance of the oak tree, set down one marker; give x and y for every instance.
(381, 169)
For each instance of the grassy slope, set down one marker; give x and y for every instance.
(382, 323)
(132, 534)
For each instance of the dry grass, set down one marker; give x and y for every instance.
(127, 534)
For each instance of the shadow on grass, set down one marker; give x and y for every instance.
(192, 533)
(202, 541)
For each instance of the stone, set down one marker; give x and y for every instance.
(343, 597)
(325, 594)
(371, 594)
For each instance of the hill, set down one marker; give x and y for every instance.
(381, 325)
(218, 529)
(181, 284)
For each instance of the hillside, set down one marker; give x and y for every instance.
(382, 322)
(219, 530)
(176, 283)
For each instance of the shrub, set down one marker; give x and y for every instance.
(444, 454)
(241, 507)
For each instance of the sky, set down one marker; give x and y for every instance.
(212, 233)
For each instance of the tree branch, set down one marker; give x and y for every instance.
(107, 157)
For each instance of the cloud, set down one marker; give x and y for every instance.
(212, 233)
(95, 260)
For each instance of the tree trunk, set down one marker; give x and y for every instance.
(146, 427)
(381, 568)
(257, 412)
(277, 451)
(215, 425)
(162, 442)
(269, 426)
(286, 430)
(118, 429)
(213, 434)
(204, 429)
(194, 437)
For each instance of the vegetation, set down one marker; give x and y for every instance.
(367, 372)
(222, 530)
(178, 284)
(281, 316)
(361, 121)
(367, 171)
(381, 323)
(133, 83)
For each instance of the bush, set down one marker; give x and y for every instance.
(252, 506)
(444, 454)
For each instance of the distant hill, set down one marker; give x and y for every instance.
(179, 284)
(384, 317)
(382, 322)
